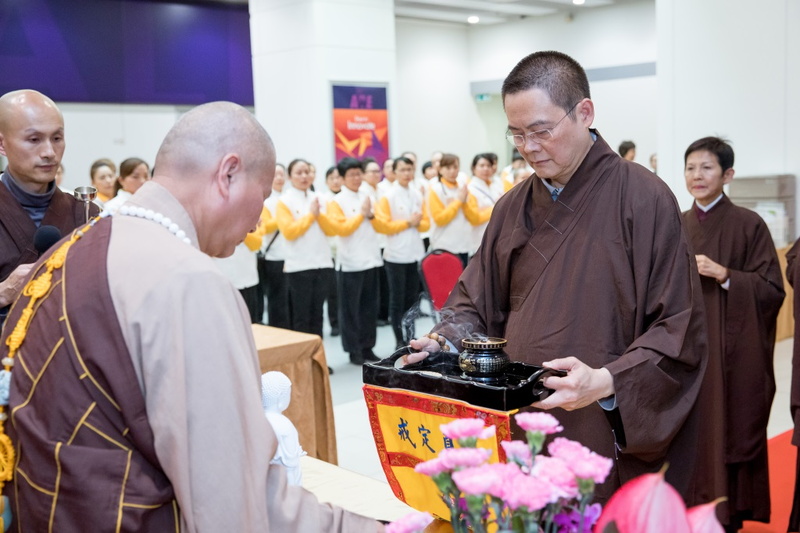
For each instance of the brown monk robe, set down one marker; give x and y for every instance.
(793, 275)
(17, 229)
(604, 274)
(741, 341)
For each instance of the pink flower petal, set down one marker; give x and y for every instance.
(536, 421)
(703, 518)
(646, 504)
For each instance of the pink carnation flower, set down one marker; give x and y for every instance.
(542, 422)
(466, 428)
(431, 468)
(583, 462)
(518, 451)
(410, 523)
(453, 458)
(484, 479)
(558, 474)
(527, 491)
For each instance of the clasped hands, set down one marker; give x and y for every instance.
(707, 267)
(582, 386)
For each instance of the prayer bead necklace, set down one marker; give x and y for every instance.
(149, 214)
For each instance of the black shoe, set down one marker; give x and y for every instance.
(369, 355)
(335, 332)
(330, 371)
(356, 359)
(381, 322)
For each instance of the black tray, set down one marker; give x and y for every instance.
(440, 375)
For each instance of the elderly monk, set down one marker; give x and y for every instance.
(32, 139)
(135, 403)
(586, 268)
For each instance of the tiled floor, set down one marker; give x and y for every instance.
(354, 437)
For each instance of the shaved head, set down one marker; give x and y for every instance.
(219, 162)
(204, 135)
(15, 102)
(31, 138)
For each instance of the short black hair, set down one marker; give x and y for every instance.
(426, 165)
(557, 74)
(625, 147)
(717, 146)
(293, 163)
(348, 163)
(477, 159)
(401, 159)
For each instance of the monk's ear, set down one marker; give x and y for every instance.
(229, 166)
(3, 145)
(584, 112)
(727, 176)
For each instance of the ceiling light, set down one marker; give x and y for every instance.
(578, 2)
(473, 19)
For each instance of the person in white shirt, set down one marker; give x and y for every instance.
(103, 174)
(388, 177)
(402, 214)
(369, 185)
(429, 175)
(486, 190)
(241, 269)
(133, 173)
(453, 210)
(271, 258)
(358, 262)
(334, 182)
(304, 225)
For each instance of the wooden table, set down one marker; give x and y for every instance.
(302, 358)
(785, 328)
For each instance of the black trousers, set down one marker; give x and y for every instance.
(307, 291)
(275, 290)
(358, 309)
(251, 295)
(332, 299)
(403, 281)
(383, 289)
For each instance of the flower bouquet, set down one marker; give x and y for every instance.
(530, 493)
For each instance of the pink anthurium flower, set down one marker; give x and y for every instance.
(646, 504)
(703, 518)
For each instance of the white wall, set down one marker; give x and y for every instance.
(300, 49)
(115, 131)
(729, 70)
(435, 110)
(596, 38)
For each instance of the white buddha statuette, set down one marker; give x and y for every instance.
(276, 392)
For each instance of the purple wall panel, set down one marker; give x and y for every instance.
(126, 51)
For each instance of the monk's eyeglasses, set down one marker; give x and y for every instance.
(539, 136)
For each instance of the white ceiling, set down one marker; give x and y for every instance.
(488, 11)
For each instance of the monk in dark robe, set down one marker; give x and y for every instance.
(793, 275)
(585, 267)
(743, 292)
(32, 139)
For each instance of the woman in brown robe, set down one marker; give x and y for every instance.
(793, 275)
(743, 292)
